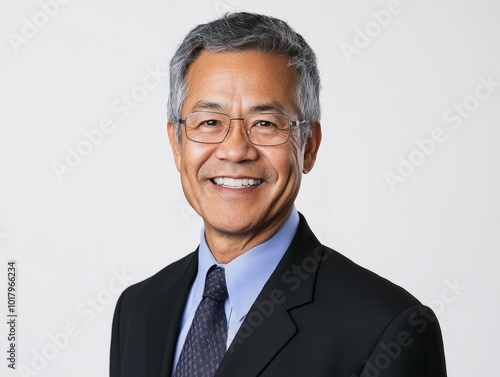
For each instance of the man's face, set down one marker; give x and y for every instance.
(238, 84)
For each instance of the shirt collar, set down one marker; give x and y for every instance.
(247, 274)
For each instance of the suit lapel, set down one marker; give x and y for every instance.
(268, 326)
(165, 315)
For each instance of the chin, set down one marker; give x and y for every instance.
(232, 224)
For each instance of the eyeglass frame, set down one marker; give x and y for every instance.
(292, 123)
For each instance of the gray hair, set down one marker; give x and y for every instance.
(247, 31)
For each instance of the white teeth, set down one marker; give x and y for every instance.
(236, 183)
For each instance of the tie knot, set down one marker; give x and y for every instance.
(215, 285)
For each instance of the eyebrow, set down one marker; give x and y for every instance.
(271, 106)
(215, 106)
(205, 105)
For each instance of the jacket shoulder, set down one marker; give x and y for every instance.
(150, 288)
(360, 288)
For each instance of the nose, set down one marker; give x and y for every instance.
(236, 147)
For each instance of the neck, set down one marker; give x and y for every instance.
(227, 246)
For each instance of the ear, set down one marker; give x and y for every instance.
(174, 143)
(312, 146)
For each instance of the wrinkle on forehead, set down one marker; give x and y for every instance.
(226, 82)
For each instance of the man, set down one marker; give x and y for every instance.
(260, 296)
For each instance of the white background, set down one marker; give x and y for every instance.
(122, 211)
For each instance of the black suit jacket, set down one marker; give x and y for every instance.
(319, 315)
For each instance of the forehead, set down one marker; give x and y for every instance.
(240, 80)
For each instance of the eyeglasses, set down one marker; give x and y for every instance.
(261, 129)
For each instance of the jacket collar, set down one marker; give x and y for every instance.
(268, 325)
(162, 328)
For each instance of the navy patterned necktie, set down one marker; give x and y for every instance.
(205, 343)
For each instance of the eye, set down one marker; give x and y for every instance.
(210, 123)
(264, 124)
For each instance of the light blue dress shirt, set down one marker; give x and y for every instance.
(245, 278)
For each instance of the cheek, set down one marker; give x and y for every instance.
(295, 156)
(287, 162)
(192, 161)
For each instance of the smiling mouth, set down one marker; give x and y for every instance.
(236, 182)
